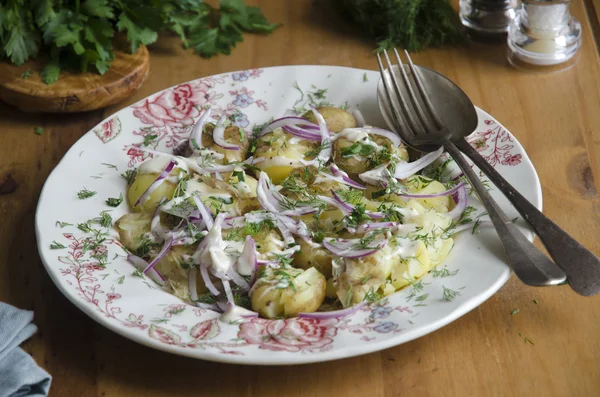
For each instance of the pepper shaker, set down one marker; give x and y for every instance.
(543, 33)
(487, 18)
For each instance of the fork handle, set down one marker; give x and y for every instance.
(581, 266)
(528, 263)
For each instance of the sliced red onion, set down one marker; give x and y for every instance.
(157, 182)
(219, 135)
(160, 255)
(325, 153)
(206, 278)
(377, 176)
(204, 212)
(334, 313)
(228, 292)
(461, 202)
(141, 264)
(360, 120)
(377, 225)
(237, 279)
(345, 248)
(247, 263)
(349, 207)
(155, 226)
(284, 122)
(335, 171)
(405, 170)
(266, 198)
(302, 133)
(433, 195)
(192, 284)
(392, 137)
(195, 140)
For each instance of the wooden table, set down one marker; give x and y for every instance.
(555, 116)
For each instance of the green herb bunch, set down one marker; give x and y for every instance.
(79, 34)
(410, 24)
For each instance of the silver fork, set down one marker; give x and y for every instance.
(419, 124)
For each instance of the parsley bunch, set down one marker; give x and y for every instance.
(410, 24)
(80, 34)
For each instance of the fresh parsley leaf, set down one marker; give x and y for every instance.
(148, 139)
(115, 202)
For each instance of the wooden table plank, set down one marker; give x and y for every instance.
(555, 116)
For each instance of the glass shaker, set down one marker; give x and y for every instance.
(543, 33)
(487, 18)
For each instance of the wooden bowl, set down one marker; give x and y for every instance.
(73, 92)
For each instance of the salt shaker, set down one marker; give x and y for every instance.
(487, 18)
(543, 33)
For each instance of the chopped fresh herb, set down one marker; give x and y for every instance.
(535, 301)
(38, 130)
(85, 193)
(56, 245)
(121, 279)
(349, 297)
(84, 227)
(379, 193)
(372, 296)
(257, 129)
(515, 311)
(316, 151)
(443, 272)
(255, 228)
(115, 202)
(351, 196)
(449, 294)
(527, 340)
(111, 166)
(129, 176)
(240, 175)
(515, 219)
(26, 74)
(181, 187)
(104, 220)
(365, 78)
(63, 224)
(476, 225)
(422, 298)
(357, 216)
(138, 273)
(145, 247)
(148, 139)
(207, 298)
(318, 236)
(242, 134)
(357, 148)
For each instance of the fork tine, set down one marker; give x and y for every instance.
(413, 97)
(414, 123)
(386, 86)
(422, 91)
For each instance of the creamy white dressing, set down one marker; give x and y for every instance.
(243, 187)
(213, 253)
(280, 161)
(235, 314)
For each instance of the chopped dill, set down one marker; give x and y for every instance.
(449, 294)
(129, 176)
(56, 245)
(85, 193)
(115, 202)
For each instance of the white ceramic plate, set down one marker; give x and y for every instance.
(137, 309)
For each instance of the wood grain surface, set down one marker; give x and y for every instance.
(73, 92)
(555, 116)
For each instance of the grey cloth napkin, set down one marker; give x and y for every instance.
(20, 376)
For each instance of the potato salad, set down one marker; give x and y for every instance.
(315, 215)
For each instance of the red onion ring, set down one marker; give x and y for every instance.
(141, 264)
(405, 170)
(204, 212)
(337, 172)
(161, 254)
(350, 207)
(228, 292)
(461, 203)
(219, 135)
(157, 182)
(196, 134)
(206, 278)
(301, 133)
(348, 252)
(247, 263)
(237, 279)
(286, 121)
